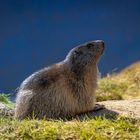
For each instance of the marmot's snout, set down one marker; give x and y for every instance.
(99, 42)
(97, 45)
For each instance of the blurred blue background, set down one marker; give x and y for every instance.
(35, 34)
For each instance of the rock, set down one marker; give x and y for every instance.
(5, 110)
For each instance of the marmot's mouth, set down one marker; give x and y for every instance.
(103, 50)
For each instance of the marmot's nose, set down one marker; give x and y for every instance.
(99, 42)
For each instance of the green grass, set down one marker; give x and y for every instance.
(123, 85)
(94, 129)
(4, 98)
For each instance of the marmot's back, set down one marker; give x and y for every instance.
(64, 89)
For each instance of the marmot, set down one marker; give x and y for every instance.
(64, 89)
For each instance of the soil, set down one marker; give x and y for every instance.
(126, 108)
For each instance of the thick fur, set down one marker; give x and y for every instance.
(64, 89)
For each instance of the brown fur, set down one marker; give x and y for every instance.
(64, 89)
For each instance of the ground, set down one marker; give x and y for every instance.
(124, 108)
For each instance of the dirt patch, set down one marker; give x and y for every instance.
(126, 108)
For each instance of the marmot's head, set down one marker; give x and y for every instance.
(86, 54)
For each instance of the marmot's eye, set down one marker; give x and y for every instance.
(89, 45)
(78, 52)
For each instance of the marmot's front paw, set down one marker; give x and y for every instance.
(98, 107)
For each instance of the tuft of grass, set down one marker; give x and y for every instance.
(4, 98)
(96, 129)
(108, 90)
(123, 85)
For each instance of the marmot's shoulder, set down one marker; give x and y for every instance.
(42, 78)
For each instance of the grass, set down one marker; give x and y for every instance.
(89, 129)
(123, 85)
(4, 98)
